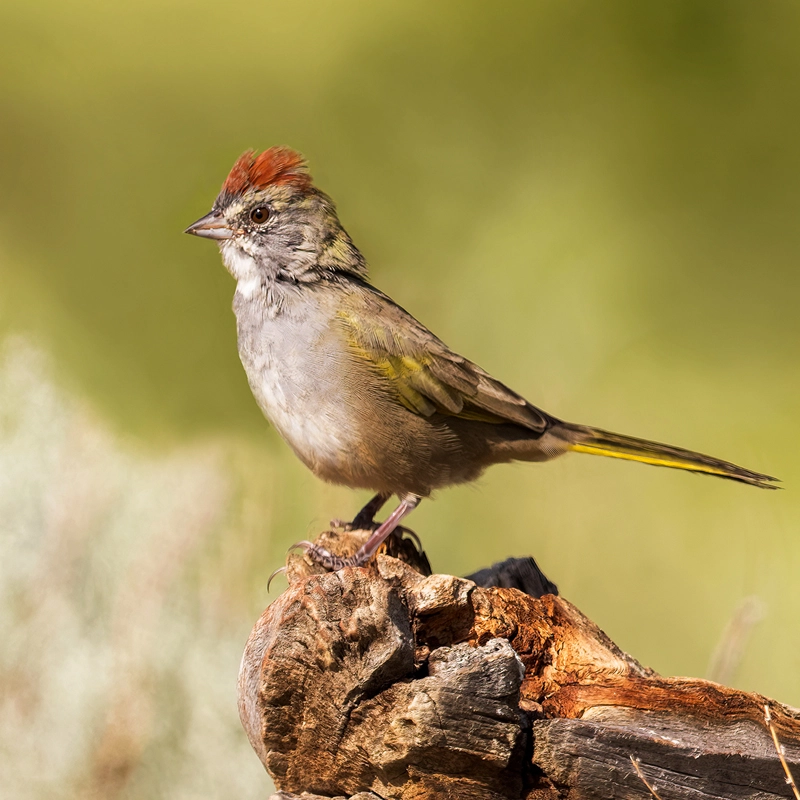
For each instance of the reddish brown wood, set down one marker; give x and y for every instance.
(388, 681)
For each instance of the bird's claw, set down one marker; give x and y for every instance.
(303, 543)
(276, 572)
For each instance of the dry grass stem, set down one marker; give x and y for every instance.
(637, 768)
(779, 750)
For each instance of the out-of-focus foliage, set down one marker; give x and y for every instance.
(115, 631)
(597, 202)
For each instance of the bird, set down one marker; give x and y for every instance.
(362, 392)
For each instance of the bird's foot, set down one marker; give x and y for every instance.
(378, 533)
(377, 537)
(319, 555)
(373, 525)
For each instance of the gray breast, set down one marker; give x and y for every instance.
(293, 359)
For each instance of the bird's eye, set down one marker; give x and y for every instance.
(259, 215)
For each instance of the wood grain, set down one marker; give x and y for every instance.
(390, 682)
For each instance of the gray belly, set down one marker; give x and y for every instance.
(292, 372)
(307, 416)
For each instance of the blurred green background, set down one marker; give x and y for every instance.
(597, 202)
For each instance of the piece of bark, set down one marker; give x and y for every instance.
(515, 573)
(384, 680)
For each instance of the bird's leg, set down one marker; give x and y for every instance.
(321, 556)
(365, 519)
(407, 504)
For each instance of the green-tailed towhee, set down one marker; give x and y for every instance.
(363, 393)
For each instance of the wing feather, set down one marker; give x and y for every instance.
(428, 377)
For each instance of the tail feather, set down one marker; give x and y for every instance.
(582, 439)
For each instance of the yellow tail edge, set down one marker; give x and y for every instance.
(656, 462)
(595, 442)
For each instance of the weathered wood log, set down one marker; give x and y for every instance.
(388, 682)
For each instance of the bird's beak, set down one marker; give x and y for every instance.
(211, 226)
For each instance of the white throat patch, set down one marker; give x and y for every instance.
(243, 267)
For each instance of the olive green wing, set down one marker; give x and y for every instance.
(427, 376)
